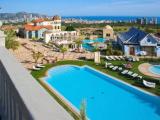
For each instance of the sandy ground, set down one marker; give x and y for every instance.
(24, 53)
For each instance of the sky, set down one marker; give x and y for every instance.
(84, 7)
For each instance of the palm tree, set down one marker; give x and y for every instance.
(79, 42)
(83, 115)
(10, 42)
(36, 56)
(96, 48)
(109, 49)
(63, 50)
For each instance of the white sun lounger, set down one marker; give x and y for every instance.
(35, 68)
(140, 77)
(149, 84)
(107, 64)
(111, 66)
(40, 66)
(134, 59)
(124, 72)
(107, 57)
(130, 73)
(120, 68)
(121, 57)
(115, 68)
(134, 75)
(137, 59)
(112, 57)
(117, 57)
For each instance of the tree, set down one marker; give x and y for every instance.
(63, 50)
(109, 49)
(36, 56)
(148, 30)
(10, 42)
(34, 38)
(70, 28)
(83, 115)
(79, 42)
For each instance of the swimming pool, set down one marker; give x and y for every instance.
(155, 69)
(107, 98)
(87, 43)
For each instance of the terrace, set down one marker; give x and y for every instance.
(21, 96)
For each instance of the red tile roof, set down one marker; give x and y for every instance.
(38, 20)
(34, 28)
(8, 27)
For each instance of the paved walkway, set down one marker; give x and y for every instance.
(24, 53)
(144, 69)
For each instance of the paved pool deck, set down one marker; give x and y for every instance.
(144, 69)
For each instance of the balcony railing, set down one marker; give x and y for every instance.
(21, 96)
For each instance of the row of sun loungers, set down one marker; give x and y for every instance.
(134, 59)
(115, 58)
(131, 74)
(38, 67)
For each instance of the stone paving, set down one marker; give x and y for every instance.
(24, 53)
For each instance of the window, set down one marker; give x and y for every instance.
(108, 35)
(148, 40)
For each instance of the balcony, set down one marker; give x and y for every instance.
(21, 96)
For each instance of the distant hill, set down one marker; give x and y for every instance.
(19, 15)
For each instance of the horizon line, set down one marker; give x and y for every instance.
(80, 15)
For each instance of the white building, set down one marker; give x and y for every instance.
(48, 30)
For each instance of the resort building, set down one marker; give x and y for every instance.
(47, 30)
(108, 33)
(136, 41)
(59, 36)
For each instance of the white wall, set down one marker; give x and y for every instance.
(158, 51)
(126, 50)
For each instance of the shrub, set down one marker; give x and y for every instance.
(150, 59)
(34, 38)
(117, 52)
(70, 28)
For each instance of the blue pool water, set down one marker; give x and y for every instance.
(106, 97)
(89, 47)
(155, 69)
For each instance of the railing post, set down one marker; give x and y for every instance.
(2, 39)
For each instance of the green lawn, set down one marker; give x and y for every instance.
(100, 67)
(41, 73)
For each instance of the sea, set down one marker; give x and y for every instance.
(111, 18)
